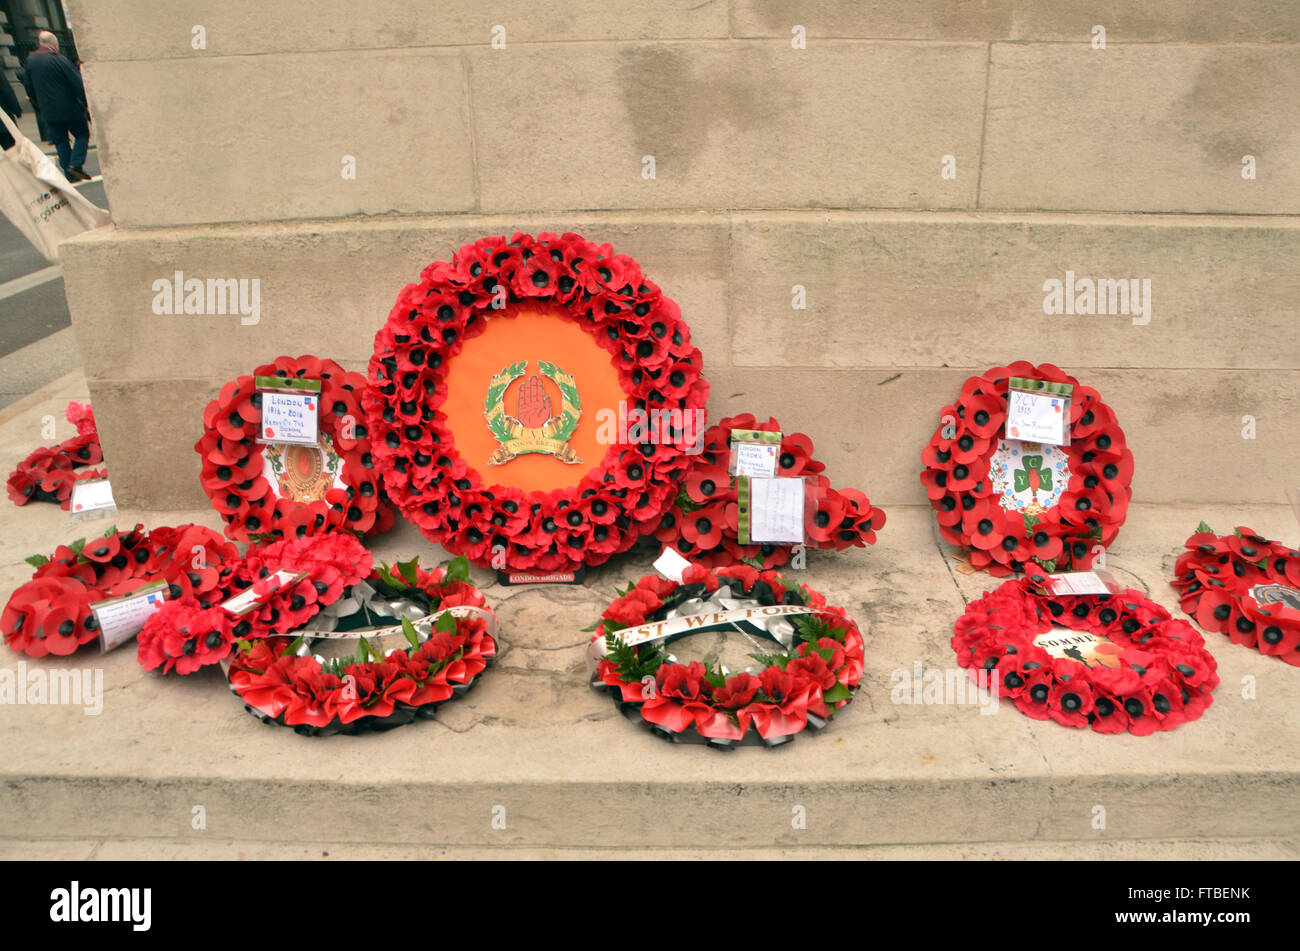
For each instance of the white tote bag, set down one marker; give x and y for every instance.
(36, 197)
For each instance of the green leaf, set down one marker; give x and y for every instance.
(836, 694)
(633, 663)
(408, 630)
(408, 570)
(387, 577)
(1049, 564)
(292, 649)
(1205, 528)
(457, 570)
(773, 660)
(111, 532)
(76, 546)
(713, 676)
(754, 562)
(364, 651)
(588, 630)
(446, 623)
(36, 560)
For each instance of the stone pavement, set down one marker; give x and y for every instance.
(534, 745)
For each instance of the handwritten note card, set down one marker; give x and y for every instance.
(776, 510)
(1037, 417)
(121, 619)
(290, 417)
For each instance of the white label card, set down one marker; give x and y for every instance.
(121, 619)
(290, 417)
(1078, 582)
(756, 459)
(671, 564)
(776, 510)
(250, 598)
(1037, 417)
(91, 495)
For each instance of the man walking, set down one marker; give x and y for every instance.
(56, 91)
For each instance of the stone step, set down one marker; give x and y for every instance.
(900, 308)
(199, 845)
(569, 772)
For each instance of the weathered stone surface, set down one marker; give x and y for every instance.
(1142, 128)
(176, 145)
(736, 125)
(131, 31)
(908, 290)
(1188, 21)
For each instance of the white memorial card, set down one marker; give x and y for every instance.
(776, 510)
(91, 495)
(756, 459)
(671, 564)
(121, 619)
(250, 598)
(1079, 582)
(290, 417)
(1037, 417)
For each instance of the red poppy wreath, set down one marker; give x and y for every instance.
(51, 613)
(191, 631)
(703, 523)
(47, 474)
(1009, 502)
(449, 636)
(266, 492)
(814, 674)
(1132, 667)
(452, 397)
(1245, 586)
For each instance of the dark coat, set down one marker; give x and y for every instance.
(55, 88)
(9, 103)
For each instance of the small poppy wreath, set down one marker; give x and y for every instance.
(232, 474)
(1216, 578)
(451, 644)
(962, 461)
(803, 686)
(47, 474)
(1164, 676)
(703, 523)
(190, 631)
(622, 496)
(50, 614)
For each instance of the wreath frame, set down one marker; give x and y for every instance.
(803, 687)
(232, 459)
(956, 477)
(1163, 661)
(1215, 577)
(281, 686)
(623, 495)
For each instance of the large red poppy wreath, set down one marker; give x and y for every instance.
(233, 462)
(414, 442)
(1010, 503)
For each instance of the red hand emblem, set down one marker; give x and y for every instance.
(534, 406)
